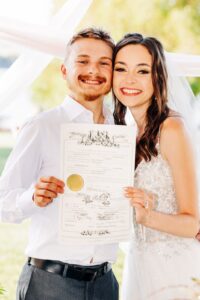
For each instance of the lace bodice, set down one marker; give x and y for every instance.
(170, 260)
(156, 176)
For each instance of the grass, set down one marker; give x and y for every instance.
(13, 241)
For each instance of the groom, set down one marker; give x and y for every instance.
(30, 183)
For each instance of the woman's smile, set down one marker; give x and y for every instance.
(130, 91)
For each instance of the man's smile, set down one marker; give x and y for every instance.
(92, 81)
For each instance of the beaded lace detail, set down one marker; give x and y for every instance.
(155, 176)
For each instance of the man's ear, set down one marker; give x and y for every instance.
(64, 71)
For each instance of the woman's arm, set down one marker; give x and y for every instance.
(176, 148)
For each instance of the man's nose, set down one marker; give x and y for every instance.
(93, 69)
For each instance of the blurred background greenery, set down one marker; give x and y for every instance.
(175, 22)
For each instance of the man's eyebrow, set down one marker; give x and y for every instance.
(83, 55)
(105, 57)
(87, 56)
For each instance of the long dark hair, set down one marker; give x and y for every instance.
(158, 110)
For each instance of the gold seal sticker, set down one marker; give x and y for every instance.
(75, 182)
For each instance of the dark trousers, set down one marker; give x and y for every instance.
(36, 284)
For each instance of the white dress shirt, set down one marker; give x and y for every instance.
(36, 154)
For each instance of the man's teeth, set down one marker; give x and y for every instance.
(92, 81)
(131, 91)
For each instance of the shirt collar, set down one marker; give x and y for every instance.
(75, 110)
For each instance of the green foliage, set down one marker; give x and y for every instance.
(195, 84)
(176, 23)
(1, 290)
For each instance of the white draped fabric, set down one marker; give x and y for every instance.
(184, 64)
(42, 43)
(50, 40)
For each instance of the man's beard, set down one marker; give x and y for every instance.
(89, 96)
(92, 97)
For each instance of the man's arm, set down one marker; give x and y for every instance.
(20, 174)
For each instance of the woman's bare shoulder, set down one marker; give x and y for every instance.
(174, 123)
(173, 136)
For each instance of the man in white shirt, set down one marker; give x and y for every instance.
(30, 184)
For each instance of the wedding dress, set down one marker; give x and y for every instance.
(160, 266)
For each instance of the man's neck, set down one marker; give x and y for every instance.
(95, 106)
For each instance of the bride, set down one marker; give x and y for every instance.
(163, 256)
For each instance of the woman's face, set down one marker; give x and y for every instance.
(132, 78)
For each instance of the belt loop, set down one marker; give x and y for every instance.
(65, 270)
(106, 267)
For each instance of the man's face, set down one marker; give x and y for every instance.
(88, 69)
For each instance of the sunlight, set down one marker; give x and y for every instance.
(32, 11)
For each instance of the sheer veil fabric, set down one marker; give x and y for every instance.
(182, 100)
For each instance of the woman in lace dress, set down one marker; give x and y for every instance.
(163, 256)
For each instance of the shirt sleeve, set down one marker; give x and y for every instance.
(20, 175)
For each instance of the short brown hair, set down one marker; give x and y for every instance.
(91, 33)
